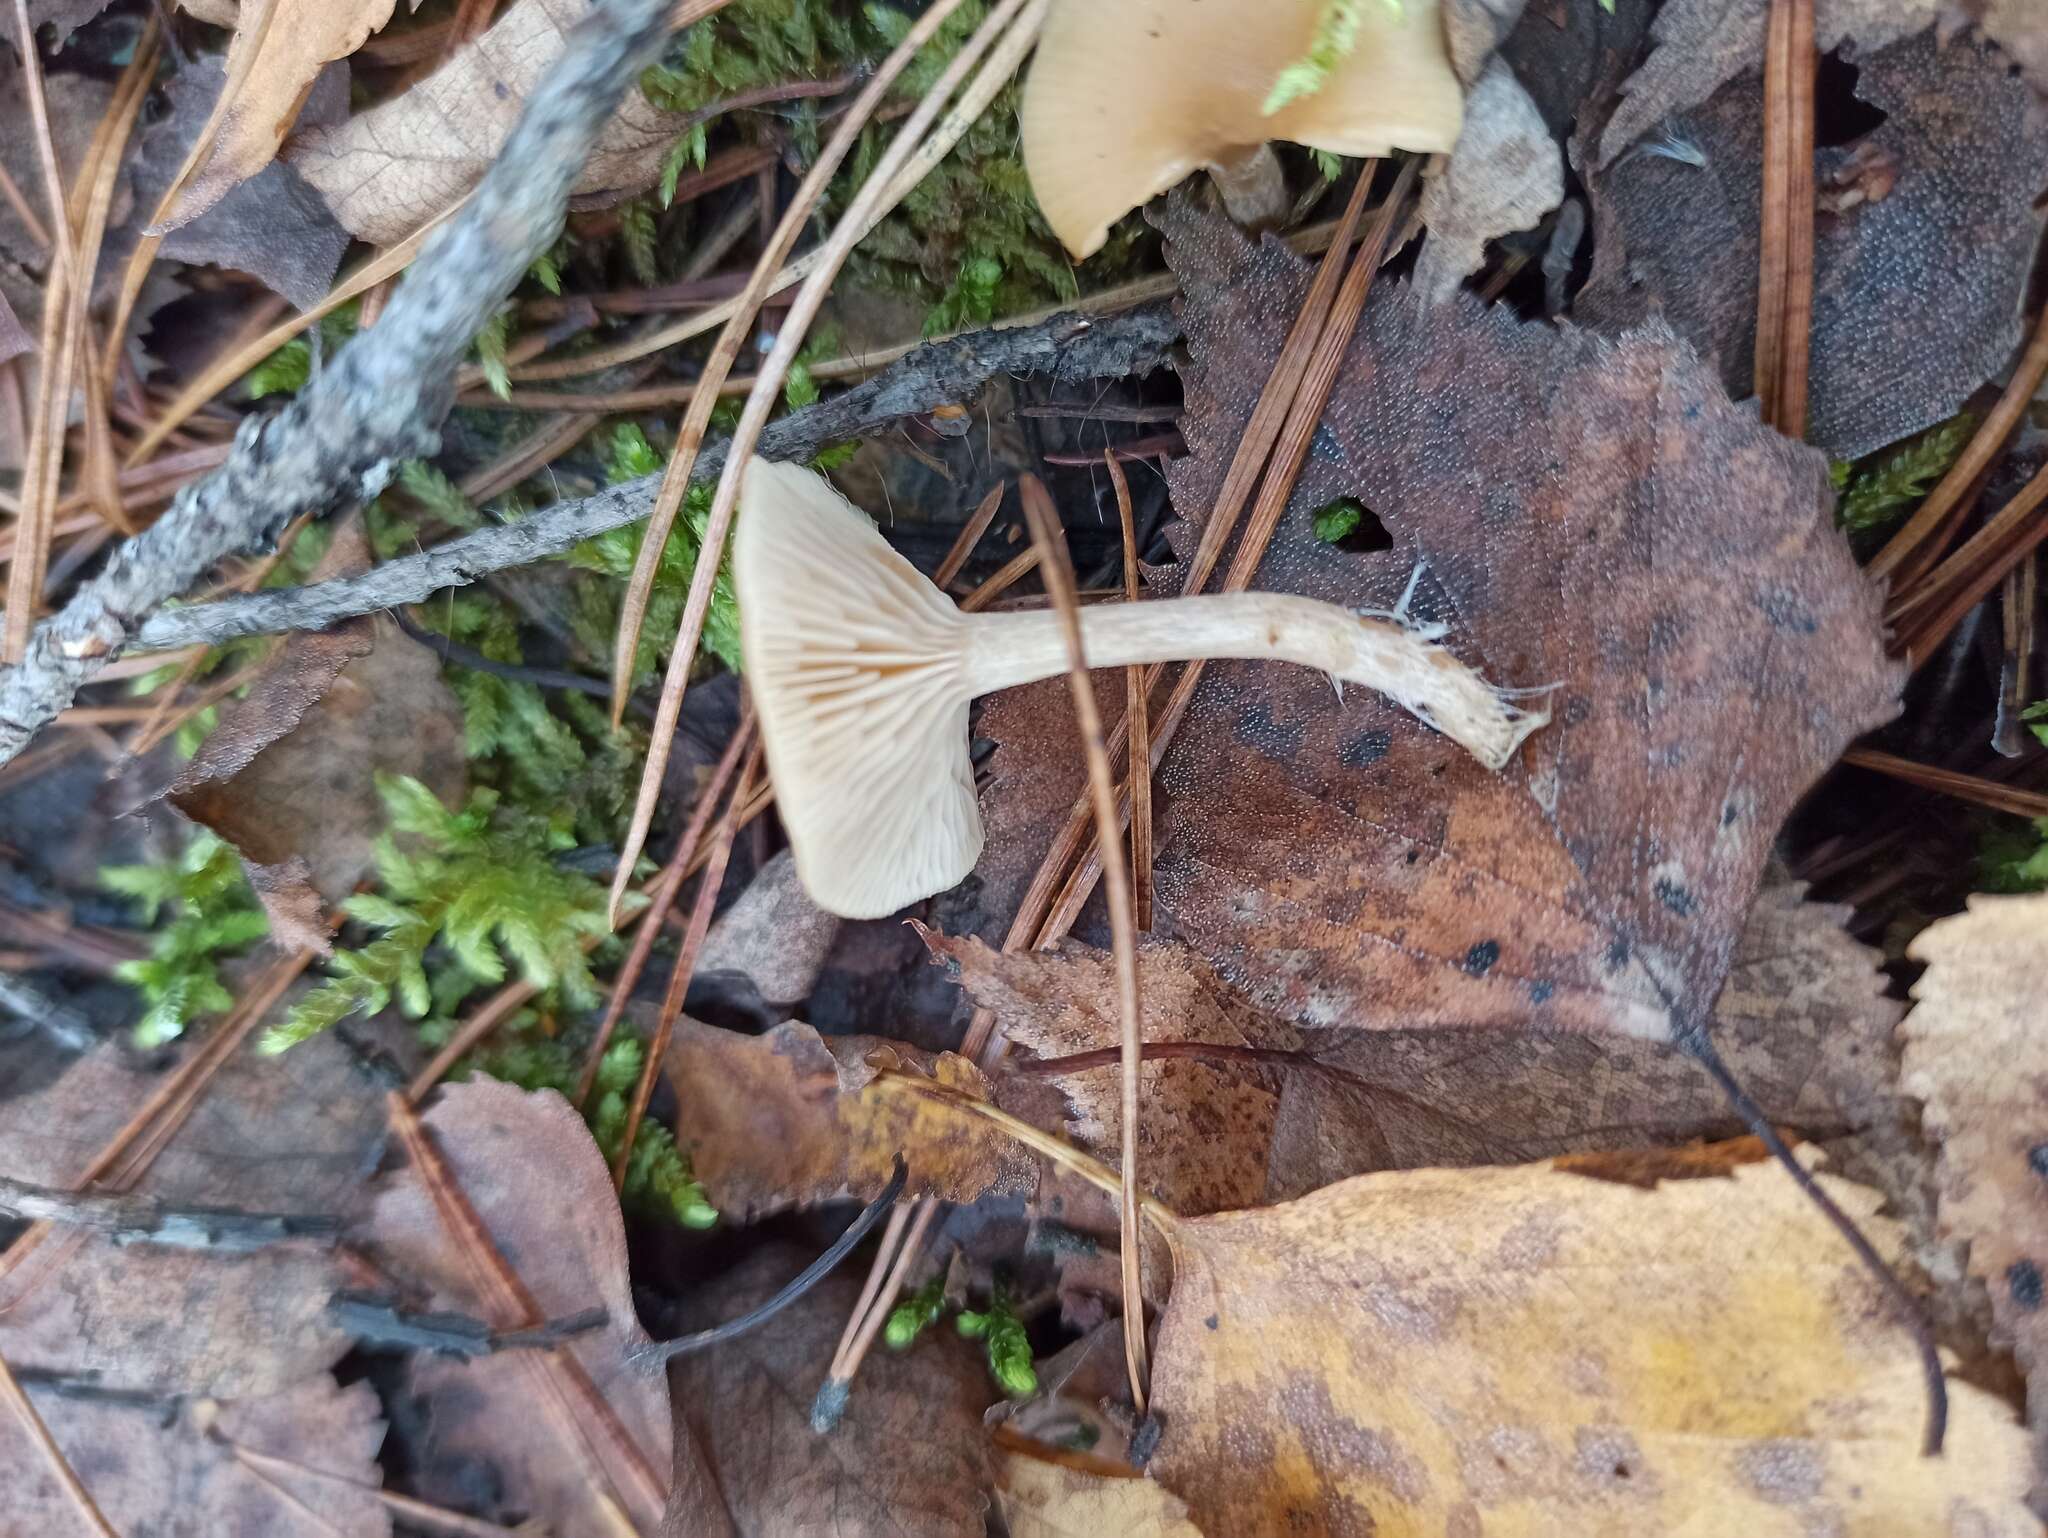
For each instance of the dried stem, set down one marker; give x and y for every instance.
(1972, 788)
(970, 535)
(663, 898)
(1059, 581)
(686, 961)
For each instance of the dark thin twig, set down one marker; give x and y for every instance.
(1695, 1044)
(802, 1283)
(375, 1320)
(469, 657)
(1067, 347)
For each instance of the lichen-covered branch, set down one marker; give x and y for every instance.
(382, 399)
(1065, 347)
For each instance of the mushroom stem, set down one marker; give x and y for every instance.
(1406, 664)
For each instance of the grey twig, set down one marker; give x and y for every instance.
(1066, 347)
(376, 405)
(375, 1320)
(67, 1027)
(145, 1220)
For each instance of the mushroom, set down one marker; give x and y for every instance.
(861, 673)
(1126, 97)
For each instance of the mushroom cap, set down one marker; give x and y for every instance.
(1126, 97)
(854, 661)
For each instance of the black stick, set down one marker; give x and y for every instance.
(378, 404)
(1694, 1043)
(375, 1320)
(1066, 347)
(802, 1283)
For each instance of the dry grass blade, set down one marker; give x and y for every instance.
(710, 383)
(891, 180)
(2020, 602)
(1785, 282)
(1975, 459)
(666, 886)
(969, 536)
(584, 1416)
(1000, 581)
(1137, 723)
(53, 1455)
(1059, 581)
(686, 962)
(1949, 782)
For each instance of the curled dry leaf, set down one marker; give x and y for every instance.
(387, 171)
(277, 57)
(299, 1463)
(909, 1457)
(528, 1167)
(788, 1118)
(1506, 173)
(270, 225)
(293, 1134)
(1526, 1351)
(289, 777)
(1802, 1021)
(1047, 1492)
(774, 938)
(1591, 516)
(1976, 1054)
(1922, 252)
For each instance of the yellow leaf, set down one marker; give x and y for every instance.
(1045, 1493)
(1977, 1053)
(1524, 1352)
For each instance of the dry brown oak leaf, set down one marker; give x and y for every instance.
(387, 171)
(908, 1460)
(300, 1463)
(1926, 235)
(296, 1134)
(789, 1118)
(1591, 514)
(1522, 1352)
(1977, 1054)
(1802, 1021)
(506, 1424)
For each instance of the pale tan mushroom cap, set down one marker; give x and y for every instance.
(1126, 97)
(854, 661)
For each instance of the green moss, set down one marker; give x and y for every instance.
(1877, 490)
(211, 914)
(286, 371)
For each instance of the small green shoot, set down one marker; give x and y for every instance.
(1876, 490)
(1009, 1349)
(1340, 518)
(915, 1314)
(212, 914)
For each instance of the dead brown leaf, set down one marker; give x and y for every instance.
(789, 1118)
(1521, 1352)
(1591, 515)
(1701, 45)
(1802, 1021)
(270, 224)
(908, 1459)
(1505, 174)
(300, 1463)
(390, 169)
(1045, 1493)
(14, 341)
(77, 103)
(528, 1167)
(275, 57)
(2020, 27)
(291, 1134)
(1975, 1054)
(63, 17)
(289, 777)
(1921, 255)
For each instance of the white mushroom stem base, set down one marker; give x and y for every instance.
(1403, 663)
